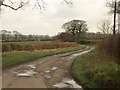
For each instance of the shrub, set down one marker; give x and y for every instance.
(110, 45)
(96, 70)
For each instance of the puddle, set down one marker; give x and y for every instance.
(25, 70)
(54, 68)
(62, 85)
(48, 71)
(26, 73)
(67, 83)
(47, 75)
(32, 66)
(78, 54)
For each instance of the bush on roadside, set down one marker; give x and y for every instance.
(111, 46)
(96, 70)
(105, 76)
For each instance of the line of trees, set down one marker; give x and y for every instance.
(77, 31)
(68, 37)
(17, 36)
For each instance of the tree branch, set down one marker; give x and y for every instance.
(68, 2)
(20, 6)
(39, 3)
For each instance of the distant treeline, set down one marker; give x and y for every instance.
(15, 36)
(10, 36)
(85, 38)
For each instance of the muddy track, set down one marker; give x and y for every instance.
(43, 72)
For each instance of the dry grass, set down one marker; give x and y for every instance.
(38, 46)
(110, 46)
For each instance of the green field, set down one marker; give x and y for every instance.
(13, 58)
(95, 70)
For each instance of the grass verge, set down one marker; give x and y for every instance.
(96, 70)
(13, 58)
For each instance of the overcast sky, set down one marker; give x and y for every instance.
(31, 21)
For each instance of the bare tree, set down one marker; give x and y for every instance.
(111, 5)
(105, 27)
(21, 3)
(114, 6)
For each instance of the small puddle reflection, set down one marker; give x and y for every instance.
(26, 73)
(67, 83)
(47, 74)
(25, 70)
(78, 54)
(54, 68)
